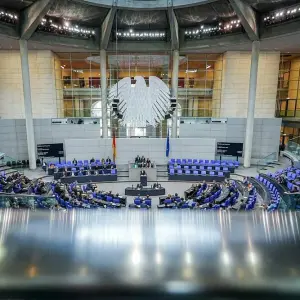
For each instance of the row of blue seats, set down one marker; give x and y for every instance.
(195, 172)
(275, 195)
(138, 201)
(79, 163)
(204, 161)
(201, 168)
(92, 172)
(251, 201)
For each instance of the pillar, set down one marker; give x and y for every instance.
(103, 93)
(251, 104)
(27, 104)
(174, 90)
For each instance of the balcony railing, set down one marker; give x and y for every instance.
(288, 113)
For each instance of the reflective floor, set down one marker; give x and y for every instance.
(176, 251)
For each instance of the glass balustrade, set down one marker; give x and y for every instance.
(293, 147)
(21, 201)
(266, 161)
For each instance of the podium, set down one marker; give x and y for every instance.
(143, 180)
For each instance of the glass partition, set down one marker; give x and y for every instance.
(78, 84)
(266, 161)
(293, 146)
(21, 201)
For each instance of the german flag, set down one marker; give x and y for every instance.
(114, 146)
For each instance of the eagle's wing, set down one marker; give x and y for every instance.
(159, 95)
(122, 91)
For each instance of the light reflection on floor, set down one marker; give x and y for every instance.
(149, 247)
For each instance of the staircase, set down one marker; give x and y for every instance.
(123, 172)
(162, 172)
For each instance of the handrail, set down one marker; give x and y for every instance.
(25, 195)
(266, 161)
(293, 147)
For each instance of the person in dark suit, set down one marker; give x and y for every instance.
(143, 172)
(92, 160)
(148, 163)
(74, 162)
(108, 160)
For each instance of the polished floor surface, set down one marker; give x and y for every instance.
(175, 251)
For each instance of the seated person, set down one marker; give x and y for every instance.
(148, 163)
(245, 180)
(92, 160)
(108, 160)
(74, 162)
(91, 187)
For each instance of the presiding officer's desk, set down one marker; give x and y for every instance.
(145, 192)
(134, 173)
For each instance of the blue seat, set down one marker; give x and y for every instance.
(137, 201)
(187, 172)
(217, 168)
(195, 172)
(167, 201)
(148, 202)
(226, 203)
(109, 198)
(195, 161)
(220, 174)
(203, 172)
(186, 167)
(202, 168)
(225, 169)
(189, 161)
(113, 171)
(212, 173)
(116, 200)
(172, 172)
(209, 168)
(184, 161)
(179, 172)
(194, 167)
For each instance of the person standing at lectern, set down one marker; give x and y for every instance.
(143, 172)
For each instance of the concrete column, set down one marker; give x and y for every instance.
(27, 104)
(251, 104)
(174, 90)
(77, 107)
(103, 92)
